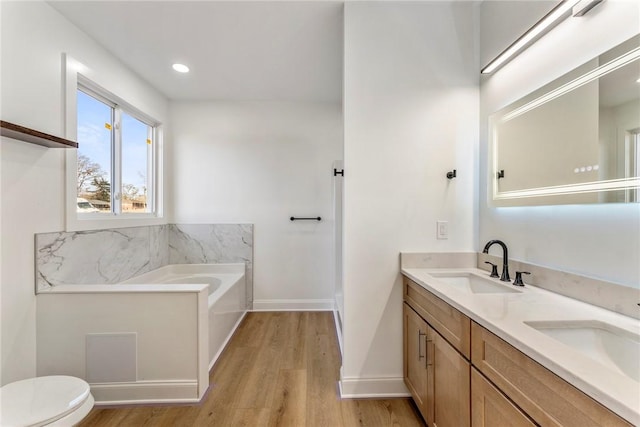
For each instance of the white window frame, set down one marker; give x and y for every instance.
(74, 79)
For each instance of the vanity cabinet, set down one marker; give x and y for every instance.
(415, 356)
(435, 370)
(546, 398)
(454, 326)
(489, 407)
(460, 374)
(448, 384)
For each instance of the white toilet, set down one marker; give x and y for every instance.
(57, 400)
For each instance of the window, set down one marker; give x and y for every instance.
(116, 159)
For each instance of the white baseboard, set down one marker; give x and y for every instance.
(145, 392)
(293, 305)
(359, 388)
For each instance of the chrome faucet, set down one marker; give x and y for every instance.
(505, 258)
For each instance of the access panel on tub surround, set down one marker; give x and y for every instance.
(112, 255)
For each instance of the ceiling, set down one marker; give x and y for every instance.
(237, 50)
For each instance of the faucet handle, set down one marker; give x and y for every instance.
(518, 280)
(494, 269)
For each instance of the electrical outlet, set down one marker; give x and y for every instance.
(442, 230)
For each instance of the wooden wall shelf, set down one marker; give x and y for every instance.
(21, 133)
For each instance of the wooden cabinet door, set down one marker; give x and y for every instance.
(449, 384)
(489, 407)
(415, 356)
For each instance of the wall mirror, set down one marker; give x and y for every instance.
(576, 140)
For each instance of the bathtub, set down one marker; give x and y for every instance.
(226, 300)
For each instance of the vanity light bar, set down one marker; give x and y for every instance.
(586, 78)
(561, 11)
(584, 6)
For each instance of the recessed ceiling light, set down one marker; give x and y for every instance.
(638, 81)
(181, 68)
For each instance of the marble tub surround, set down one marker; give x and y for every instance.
(614, 297)
(114, 255)
(159, 246)
(98, 256)
(213, 244)
(509, 316)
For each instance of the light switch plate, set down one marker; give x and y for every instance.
(442, 230)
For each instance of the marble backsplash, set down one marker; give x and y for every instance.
(213, 243)
(612, 296)
(112, 255)
(99, 256)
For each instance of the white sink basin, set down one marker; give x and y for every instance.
(613, 347)
(474, 283)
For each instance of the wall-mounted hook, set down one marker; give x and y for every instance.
(452, 174)
(500, 174)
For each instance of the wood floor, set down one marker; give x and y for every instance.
(280, 369)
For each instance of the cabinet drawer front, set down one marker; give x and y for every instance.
(489, 407)
(449, 322)
(545, 397)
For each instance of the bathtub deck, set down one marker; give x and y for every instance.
(280, 369)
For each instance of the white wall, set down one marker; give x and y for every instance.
(411, 115)
(261, 163)
(33, 38)
(338, 233)
(603, 240)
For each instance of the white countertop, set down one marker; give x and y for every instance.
(505, 314)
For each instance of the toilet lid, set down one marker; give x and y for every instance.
(42, 400)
